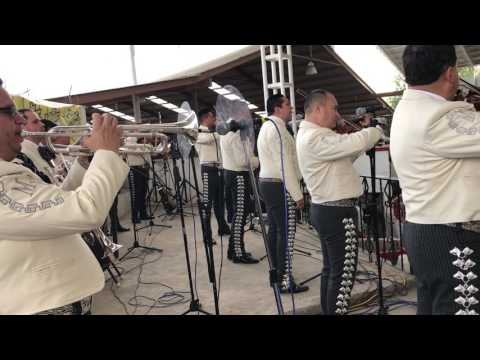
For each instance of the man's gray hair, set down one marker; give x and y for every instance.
(318, 96)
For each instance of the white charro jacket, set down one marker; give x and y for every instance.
(270, 157)
(44, 262)
(208, 147)
(326, 160)
(233, 153)
(435, 148)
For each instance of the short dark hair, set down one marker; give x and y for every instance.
(316, 96)
(424, 64)
(1, 82)
(205, 111)
(274, 101)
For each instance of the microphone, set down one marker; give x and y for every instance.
(223, 128)
(367, 110)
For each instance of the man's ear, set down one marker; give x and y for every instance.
(451, 74)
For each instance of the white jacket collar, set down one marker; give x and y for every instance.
(277, 120)
(30, 145)
(311, 125)
(422, 93)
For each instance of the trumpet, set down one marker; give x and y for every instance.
(161, 147)
(187, 127)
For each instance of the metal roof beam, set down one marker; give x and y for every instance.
(249, 77)
(316, 60)
(465, 53)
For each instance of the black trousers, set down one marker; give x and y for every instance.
(113, 213)
(428, 248)
(213, 195)
(340, 254)
(239, 183)
(138, 181)
(281, 230)
(228, 198)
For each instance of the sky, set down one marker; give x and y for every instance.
(371, 64)
(46, 71)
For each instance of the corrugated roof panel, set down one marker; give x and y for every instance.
(246, 74)
(470, 56)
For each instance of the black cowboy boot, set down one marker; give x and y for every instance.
(289, 286)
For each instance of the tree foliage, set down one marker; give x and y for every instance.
(399, 86)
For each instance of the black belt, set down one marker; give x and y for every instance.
(271, 180)
(352, 202)
(213, 165)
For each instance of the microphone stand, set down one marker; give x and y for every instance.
(136, 244)
(273, 271)
(207, 242)
(195, 305)
(223, 129)
(372, 210)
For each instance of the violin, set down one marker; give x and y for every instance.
(469, 93)
(345, 126)
(469, 97)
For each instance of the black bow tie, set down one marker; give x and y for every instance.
(28, 163)
(46, 153)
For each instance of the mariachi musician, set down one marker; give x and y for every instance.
(237, 180)
(208, 147)
(280, 176)
(46, 266)
(326, 163)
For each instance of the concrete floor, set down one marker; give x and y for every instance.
(244, 289)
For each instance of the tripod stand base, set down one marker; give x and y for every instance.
(195, 307)
(152, 224)
(383, 311)
(136, 246)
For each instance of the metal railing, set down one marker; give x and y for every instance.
(390, 212)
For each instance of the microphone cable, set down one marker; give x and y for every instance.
(286, 211)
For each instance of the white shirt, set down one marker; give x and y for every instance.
(233, 153)
(435, 148)
(269, 154)
(44, 261)
(326, 160)
(208, 147)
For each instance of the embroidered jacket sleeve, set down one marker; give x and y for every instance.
(74, 177)
(332, 146)
(33, 210)
(455, 134)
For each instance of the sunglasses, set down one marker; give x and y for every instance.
(9, 110)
